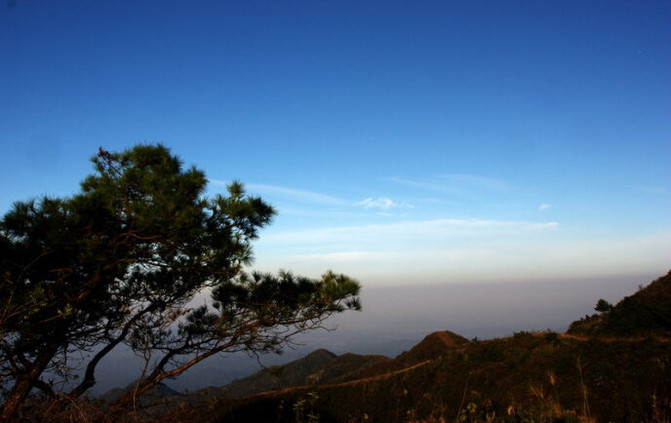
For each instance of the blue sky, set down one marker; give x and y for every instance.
(401, 142)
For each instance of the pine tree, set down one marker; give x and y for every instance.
(118, 263)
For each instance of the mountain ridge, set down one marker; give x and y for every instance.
(537, 376)
(645, 313)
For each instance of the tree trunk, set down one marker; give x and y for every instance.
(25, 383)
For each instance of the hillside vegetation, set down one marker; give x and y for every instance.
(611, 367)
(646, 313)
(533, 377)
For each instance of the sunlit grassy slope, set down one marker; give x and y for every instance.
(615, 366)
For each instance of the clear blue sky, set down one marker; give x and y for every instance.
(401, 142)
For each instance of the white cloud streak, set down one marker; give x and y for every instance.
(404, 233)
(485, 182)
(510, 260)
(293, 194)
(457, 183)
(656, 190)
(382, 203)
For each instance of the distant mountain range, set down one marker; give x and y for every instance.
(151, 398)
(614, 366)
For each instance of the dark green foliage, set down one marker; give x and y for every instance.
(603, 306)
(118, 262)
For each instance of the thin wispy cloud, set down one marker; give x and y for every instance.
(405, 233)
(475, 181)
(428, 185)
(460, 184)
(544, 206)
(509, 259)
(381, 203)
(293, 194)
(655, 190)
(392, 252)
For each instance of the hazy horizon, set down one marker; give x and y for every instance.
(395, 318)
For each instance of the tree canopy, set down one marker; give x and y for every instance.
(603, 306)
(118, 263)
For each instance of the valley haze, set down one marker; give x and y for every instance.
(395, 318)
